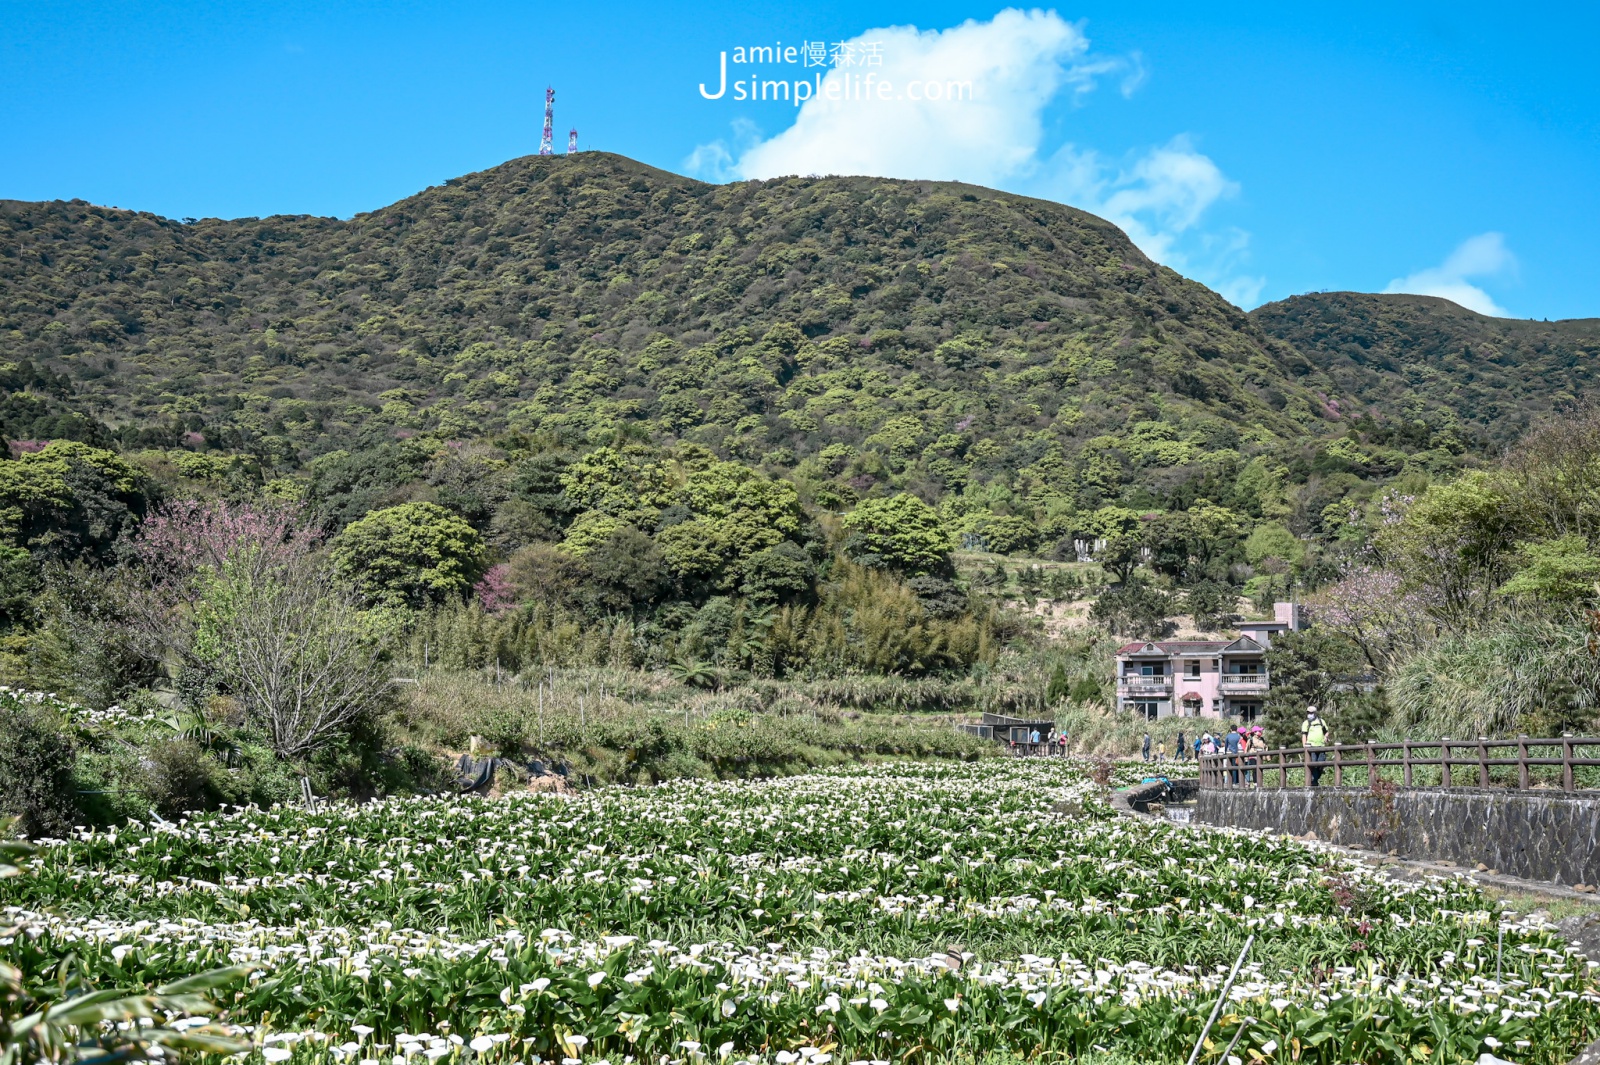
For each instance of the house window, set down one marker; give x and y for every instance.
(1248, 712)
(1191, 669)
(1147, 710)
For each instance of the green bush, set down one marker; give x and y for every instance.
(182, 777)
(36, 768)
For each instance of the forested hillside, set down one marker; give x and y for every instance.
(1421, 358)
(859, 331)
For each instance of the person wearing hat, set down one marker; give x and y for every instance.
(1314, 734)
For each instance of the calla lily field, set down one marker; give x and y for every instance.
(893, 911)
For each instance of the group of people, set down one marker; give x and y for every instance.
(1053, 742)
(1245, 743)
(1155, 753)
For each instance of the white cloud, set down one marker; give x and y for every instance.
(1017, 64)
(1160, 200)
(1014, 64)
(1476, 258)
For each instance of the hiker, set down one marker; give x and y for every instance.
(1248, 746)
(1033, 742)
(1208, 744)
(1231, 743)
(1146, 749)
(1314, 734)
(1182, 753)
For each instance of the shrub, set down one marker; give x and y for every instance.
(182, 778)
(36, 763)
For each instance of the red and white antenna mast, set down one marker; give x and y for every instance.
(572, 141)
(545, 145)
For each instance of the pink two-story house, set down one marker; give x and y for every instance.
(1224, 679)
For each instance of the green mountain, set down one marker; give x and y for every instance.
(949, 331)
(1011, 357)
(1421, 358)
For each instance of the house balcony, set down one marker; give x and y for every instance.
(1133, 685)
(1242, 684)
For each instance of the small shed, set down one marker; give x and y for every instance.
(1004, 729)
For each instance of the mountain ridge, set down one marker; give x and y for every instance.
(1432, 355)
(860, 334)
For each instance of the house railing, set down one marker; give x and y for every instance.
(1139, 680)
(1243, 680)
(1569, 763)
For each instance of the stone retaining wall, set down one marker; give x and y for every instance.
(1536, 835)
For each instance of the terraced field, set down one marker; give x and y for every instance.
(894, 912)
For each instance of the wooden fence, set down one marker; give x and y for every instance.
(1568, 763)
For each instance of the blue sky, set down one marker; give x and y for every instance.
(1265, 149)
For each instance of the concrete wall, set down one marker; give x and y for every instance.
(1537, 835)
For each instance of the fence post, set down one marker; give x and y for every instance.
(1483, 762)
(1372, 770)
(1522, 762)
(1566, 760)
(1305, 766)
(1444, 762)
(1338, 766)
(1405, 761)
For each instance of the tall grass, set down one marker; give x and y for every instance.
(627, 727)
(1524, 675)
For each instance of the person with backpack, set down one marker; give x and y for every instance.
(1249, 745)
(1314, 734)
(1182, 752)
(1231, 744)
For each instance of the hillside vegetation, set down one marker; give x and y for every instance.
(1425, 359)
(853, 330)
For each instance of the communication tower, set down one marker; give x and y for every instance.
(572, 141)
(545, 146)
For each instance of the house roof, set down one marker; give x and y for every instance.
(1189, 647)
(1172, 647)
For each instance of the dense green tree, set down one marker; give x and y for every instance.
(470, 480)
(627, 484)
(70, 501)
(1212, 604)
(36, 763)
(1119, 534)
(410, 555)
(1271, 540)
(1561, 572)
(901, 533)
(1319, 667)
(1010, 533)
(1059, 687)
(1453, 541)
(778, 574)
(630, 562)
(344, 485)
